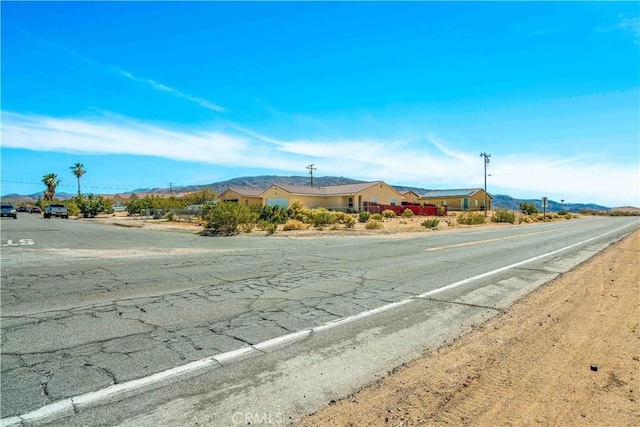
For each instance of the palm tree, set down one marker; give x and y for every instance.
(51, 181)
(78, 171)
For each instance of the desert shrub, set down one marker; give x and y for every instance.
(430, 222)
(407, 213)
(274, 214)
(271, 228)
(349, 223)
(440, 210)
(364, 217)
(388, 213)
(294, 224)
(90, 206)
(296, 209)
(471, 218)
(247, 227)
(73, 209)
(563, 212)
(345, 218)
(568, 216)
(374, 225)
(377, 217)
(226, 218)
(322, 216)
(528, 208)
(503, 215)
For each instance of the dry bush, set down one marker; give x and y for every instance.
(374, 225)
(294, 224)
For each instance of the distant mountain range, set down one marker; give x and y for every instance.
(265, 181)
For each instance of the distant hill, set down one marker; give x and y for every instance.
(508, 202)
(265, 181)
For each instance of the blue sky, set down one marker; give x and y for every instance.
(150, 93)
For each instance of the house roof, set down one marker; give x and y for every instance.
(246, 192)
(331, 190)
(434, 194)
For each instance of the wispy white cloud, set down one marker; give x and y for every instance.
(159, 86)
(431, 162)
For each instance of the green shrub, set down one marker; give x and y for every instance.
(349, 223)
(226, 218)
(503, 215)
(377, 217)
(271, 228)
(364, 217)
(471, 218)
(407, 213)
(374, 225)
(90, 206)
(388, 213)
(322, 216)
(294, 224)
(528, 208)
(273, 214)
(563, 212)
(430, 222)
(439, 210)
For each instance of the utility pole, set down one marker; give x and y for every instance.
(486, 162)
(311, 169)
(171, 188)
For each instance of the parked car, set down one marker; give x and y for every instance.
(8, 210)
(118, 207)
(56, 209)
(36, 209)
(22, 209)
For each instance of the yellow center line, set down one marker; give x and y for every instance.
(457, 245)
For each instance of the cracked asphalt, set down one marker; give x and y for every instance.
(86, 305)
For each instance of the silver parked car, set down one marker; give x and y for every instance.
(9, 210)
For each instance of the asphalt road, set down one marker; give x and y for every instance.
(105, 325)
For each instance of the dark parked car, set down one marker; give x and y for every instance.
(23, 209)
(36, 209)
(9, 210)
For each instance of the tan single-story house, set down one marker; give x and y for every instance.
(411, 197)
(242, 196)
(347, 197)
(116, 198)
(469, 199)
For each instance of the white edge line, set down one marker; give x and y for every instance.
(342, 321)
(284, 339)
(230, 356)
(517, 264)
(224, 358)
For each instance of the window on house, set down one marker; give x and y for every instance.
(476, 203)
(246, 202)
(350, 202)
(374, 200)
(393, 202)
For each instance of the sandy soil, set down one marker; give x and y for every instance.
(531, 366)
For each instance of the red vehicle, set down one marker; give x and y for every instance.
(36, 209)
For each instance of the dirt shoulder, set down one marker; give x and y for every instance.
(531, 365)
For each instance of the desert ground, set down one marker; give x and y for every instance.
(566, 355)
